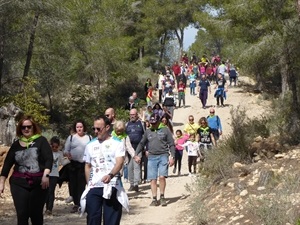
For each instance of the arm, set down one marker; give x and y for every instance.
(142, 143)
(130, 150)
(67, 150)
(213, 139)
(219, 125)
(2, 185)
(118, 166)
(171, 144)
(87, 172)
(47, 155)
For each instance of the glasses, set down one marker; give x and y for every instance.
(191, 119)
(212, 112)
(28, 127)
(98, 129)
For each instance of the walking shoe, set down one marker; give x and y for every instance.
(190, 174)
(174, 170)
(179, 173)
(48, 212)
(69, 199)
(154, 203)
(136, 188)
(163, 202)
(131, 188)
(75, 209)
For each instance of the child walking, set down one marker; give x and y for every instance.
(179, 140)
(54, 175)
(193, 153)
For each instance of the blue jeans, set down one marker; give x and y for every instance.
(95, 203)
(158, 165)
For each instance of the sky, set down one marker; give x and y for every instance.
(189, 37)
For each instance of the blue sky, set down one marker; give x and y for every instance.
(189, 37)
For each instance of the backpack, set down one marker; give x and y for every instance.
(169, 101)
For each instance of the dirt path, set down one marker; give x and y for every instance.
(176, 194)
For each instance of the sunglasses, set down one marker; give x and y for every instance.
(98, 129)
(28, 127)
(211, 112)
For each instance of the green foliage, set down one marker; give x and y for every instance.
(235, 147)
(30, 101)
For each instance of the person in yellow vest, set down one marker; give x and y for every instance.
(191, 127)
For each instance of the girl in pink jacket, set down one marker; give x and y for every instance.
(179, 140)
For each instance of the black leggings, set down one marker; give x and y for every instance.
(77, 181)
(192, 161)
(29, 203)
(51, 193)
(178, 159)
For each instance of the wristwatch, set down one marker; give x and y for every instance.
(111, 175)
(47, 175)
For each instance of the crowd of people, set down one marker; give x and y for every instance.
(139, 150)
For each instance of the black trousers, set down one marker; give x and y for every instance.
(51, 193)
(29, 203)
(77, 180)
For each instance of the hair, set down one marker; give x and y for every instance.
(55, 140)
(203, 119)
(193, 135)
(35, 128)
(79, 121)
(119, 125)
(169, 125)
(179, 131)
(104, 118)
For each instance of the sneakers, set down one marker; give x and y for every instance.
(75, 209)
(179, 173)
(131, 188)
(48, 212)
(190, 175)
(154, 203)
(69, 199)
(163, 202)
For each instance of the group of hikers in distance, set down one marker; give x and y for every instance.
(139, 150)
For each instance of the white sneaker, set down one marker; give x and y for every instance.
(190, 175)
(69, 199)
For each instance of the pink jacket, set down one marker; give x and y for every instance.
(181, 141)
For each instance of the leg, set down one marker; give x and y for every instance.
(183, 98)
(130, 172)
(94, 202)
(136, 172)
(152, 174)
(112, 210)
(36, 204)
(194, 163)
(190, 163)
(51, 193)
(145, 161)
(20, 197)
(162, 185)
(179, 161)
(222, 100)
(159, 95)
(204, 98)
(218, 100)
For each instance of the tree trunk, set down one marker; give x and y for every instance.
(162, 47)
(2, 34)
(30, 47)
(284, 73)
(180, 37)
(298, 7)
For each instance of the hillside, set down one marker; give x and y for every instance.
(255, 191)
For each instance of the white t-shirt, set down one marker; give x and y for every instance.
(192, 147)
(102, 157)
(161, 79)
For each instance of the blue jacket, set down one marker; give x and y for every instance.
(214, 122)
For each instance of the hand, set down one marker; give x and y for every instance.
(106, 179)
(69, 156)
(171, 161)
(137, 159)
(220, 132)
(45, 182)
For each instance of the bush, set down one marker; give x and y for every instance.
(235, 147)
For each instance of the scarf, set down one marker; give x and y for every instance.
(121, 136)
(205, 130)
(161, 125)
(28, 141)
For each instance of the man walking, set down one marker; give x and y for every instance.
(160, 141)
(135, 131)
(104, 158)
(214, 123)
(204, 87)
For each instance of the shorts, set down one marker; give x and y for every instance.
(158, 165)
